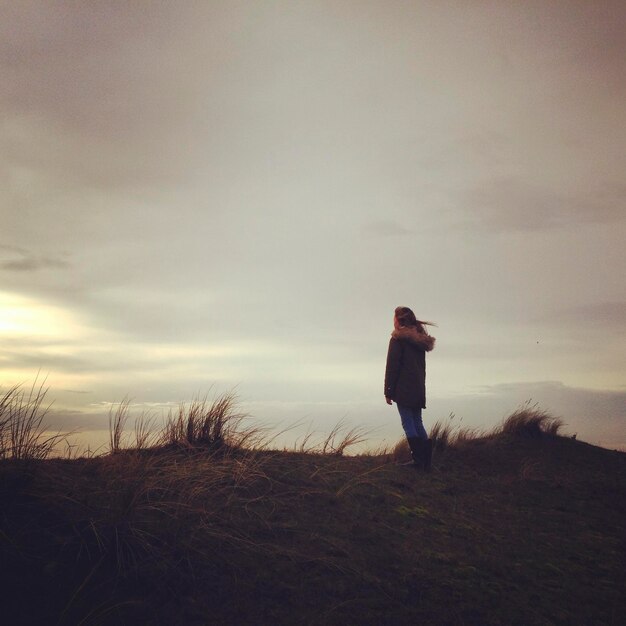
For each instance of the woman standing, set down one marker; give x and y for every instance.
(405, 380)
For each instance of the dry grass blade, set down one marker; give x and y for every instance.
(117, 422)
(351, 438)
(145, 437)
(336, 442)
(304, 446)
(6, 403)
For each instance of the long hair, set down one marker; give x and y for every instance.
(406, 317)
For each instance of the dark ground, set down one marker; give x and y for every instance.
(505, 530)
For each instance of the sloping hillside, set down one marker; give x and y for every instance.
(507, 529)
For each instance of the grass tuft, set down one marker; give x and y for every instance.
(530, 422)
(450, 435)
(23, 434)
(204, 424)
(442, 433)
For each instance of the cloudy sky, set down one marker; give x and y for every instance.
(201, 196)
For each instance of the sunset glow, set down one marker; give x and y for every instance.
(24, 317)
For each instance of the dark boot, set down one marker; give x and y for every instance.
(416, 451)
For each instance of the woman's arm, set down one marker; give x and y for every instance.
(392, 370)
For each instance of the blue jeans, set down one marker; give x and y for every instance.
(412, 422)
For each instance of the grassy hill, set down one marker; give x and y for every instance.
(520, 526)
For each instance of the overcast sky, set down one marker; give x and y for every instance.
(197, 196)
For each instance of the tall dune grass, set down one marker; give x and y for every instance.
(23, 434)
(530, 421)
(217, 425)
(203, 423)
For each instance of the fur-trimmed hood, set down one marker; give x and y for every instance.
(412, 335)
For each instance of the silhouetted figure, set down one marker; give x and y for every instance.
(405, 380)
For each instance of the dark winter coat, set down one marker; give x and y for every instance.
(405, 374)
